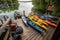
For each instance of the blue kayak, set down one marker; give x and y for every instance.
(35, 26)
(30, 23)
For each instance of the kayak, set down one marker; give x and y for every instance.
(38, 22)
(31, 24)
(47, 20)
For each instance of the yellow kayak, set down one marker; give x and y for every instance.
(38, 22)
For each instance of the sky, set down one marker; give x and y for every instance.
(24, 0)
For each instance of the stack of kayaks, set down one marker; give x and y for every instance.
(40, 23)
(33, 25)
(49, 20)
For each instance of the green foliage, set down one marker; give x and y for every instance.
(57, 9)
(39, 6)
(39, 11)
(9, 5)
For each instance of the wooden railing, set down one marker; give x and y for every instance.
(3, 28)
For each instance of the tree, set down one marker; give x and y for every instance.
(7, 5)
(39, 6)
(57, 8)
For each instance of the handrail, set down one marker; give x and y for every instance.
(4, 25)
(7, 34)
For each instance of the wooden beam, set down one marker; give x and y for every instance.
(7, 34)
(4, 25)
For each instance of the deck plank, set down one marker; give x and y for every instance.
(31, 34)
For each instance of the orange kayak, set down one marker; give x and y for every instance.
(48, 22)
(52, 24)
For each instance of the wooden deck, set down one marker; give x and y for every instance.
(31, 34)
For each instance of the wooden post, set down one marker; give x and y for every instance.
(24, 12)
